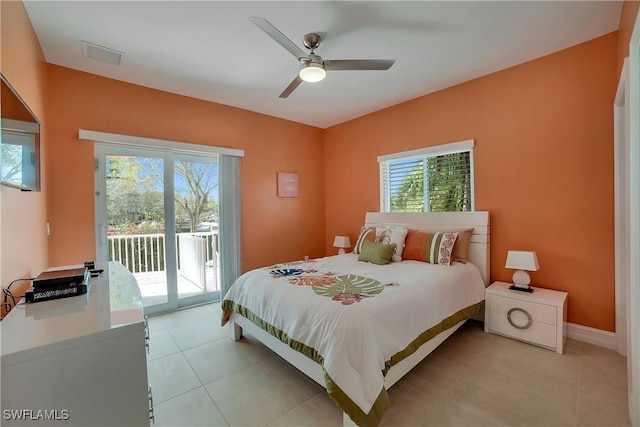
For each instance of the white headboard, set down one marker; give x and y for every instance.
(445, 221)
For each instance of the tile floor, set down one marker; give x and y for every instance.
(200, 377)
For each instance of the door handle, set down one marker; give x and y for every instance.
(103, 234)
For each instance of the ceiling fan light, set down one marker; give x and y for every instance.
(312, 72)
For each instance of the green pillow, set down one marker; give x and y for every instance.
(376, 253)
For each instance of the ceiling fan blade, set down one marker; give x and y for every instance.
(280, 38)
(358, 64)
(294, 84)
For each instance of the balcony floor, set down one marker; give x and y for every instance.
(153, 286)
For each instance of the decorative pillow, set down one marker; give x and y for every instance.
(366, 234)
(376, 253)
(392, 235)
(461, 248)
(431, 247)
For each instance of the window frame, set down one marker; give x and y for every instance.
(423, 153)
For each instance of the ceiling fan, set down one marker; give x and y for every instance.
(312, 67)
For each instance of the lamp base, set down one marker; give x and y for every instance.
(341, 251)
(517, 288)
(521, 278)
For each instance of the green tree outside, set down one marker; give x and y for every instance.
(410, 195)
(135, 201)
(448, 190)
(193, 200)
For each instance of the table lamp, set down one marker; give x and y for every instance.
(522, 261)
(341, 242)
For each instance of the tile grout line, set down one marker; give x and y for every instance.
(196, 388)
(190, 367)
(295, 371)
(216, 404)
(227, 375)
(203, 385)
(446, 393)
(185, 359)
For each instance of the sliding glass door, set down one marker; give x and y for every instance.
(197, 228)
(157, 214)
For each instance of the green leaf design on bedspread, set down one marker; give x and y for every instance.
(350, 288)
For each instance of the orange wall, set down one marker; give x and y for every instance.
(543, 166)
(273, 229)
(12, 108)
(625, 29)
(23, 239)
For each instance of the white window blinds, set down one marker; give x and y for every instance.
(230, 243)
(434, 179)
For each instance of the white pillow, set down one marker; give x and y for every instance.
(392, 235)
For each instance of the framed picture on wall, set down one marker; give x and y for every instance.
(287, 184)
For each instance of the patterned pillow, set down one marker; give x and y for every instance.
(376, 253)
(394, 235)
(431, 247)
(366, 234)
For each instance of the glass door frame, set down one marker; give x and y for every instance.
(169, 157)
(211, 159)
(102, 248)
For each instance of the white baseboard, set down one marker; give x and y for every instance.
(593, 336)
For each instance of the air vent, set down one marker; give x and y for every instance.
(101, 53)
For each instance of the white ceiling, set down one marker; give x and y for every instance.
(210, 50)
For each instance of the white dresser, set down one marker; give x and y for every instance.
(538, 318)
(78, 361)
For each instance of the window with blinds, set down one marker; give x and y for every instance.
(434, 179)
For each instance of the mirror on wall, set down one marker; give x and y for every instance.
(19, 141)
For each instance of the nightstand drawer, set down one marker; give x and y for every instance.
(537, 333)
(519, 309)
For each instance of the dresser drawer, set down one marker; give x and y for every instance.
(536, 332)
(538, 312)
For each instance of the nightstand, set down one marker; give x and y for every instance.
(538, 318)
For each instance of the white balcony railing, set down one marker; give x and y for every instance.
(145, 253)
(142, 253)
(144, 256)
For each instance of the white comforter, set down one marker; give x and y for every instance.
(356, 315)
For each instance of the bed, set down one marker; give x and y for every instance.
(324, 315)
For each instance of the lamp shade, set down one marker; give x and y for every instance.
(341, 242)
(522, 260)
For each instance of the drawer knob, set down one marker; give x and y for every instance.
(526, 313)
